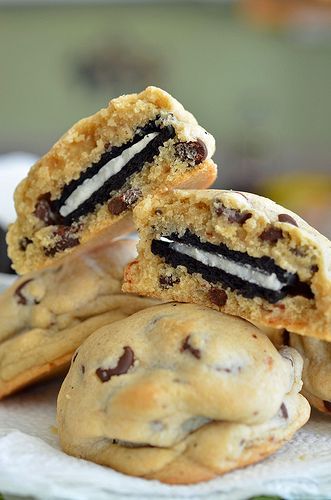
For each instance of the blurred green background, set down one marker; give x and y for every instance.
(256, 74)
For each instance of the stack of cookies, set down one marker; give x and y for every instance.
(207, 380)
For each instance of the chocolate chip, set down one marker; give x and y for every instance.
(43, 210)
(287, 218)
(192, 152)
(314, 268)
(66, 238)
(283, 410)
(187, 347)
(217, 296)
(74, 358)
(116, 206)
(286, 337)
(327, 405)
(18, 292)
(121, 203)
(168, 281)
(232, 214)
(23, 243)
(272, 234)
(122, 367)
(83, 369)
(158, 212)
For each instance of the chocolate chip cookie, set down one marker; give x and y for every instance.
(102, 167)
(180, 393)
(316, 374)
(46, 315)
(236, 252)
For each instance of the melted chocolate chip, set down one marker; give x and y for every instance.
(327, 405)
(23, 244)
(283, 411)
(18, 292)
(233, 215)
(193, 152)
(43, 210)
(217, 296)
(168, 281)
(122, 367)
(287, 218)
(187, 347)
(272, 234)
(158, 212)
(117, 205)
(66, 239)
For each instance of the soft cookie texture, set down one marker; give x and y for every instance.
(92, 177)
(236, 252)
(46, 315)
(316, 374)
(180, 393)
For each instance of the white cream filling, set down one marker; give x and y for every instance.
(243, 271)
(90, 186)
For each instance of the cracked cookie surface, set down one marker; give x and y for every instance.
(180, 393)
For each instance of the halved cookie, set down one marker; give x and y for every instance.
(92, 177)
(46, 315)
(236, 252)
(180, 393)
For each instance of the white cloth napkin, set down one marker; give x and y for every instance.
(31, 463)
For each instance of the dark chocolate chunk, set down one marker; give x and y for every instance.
(117, 205)
(287, 218)
(272, 234)
(21, 299)
(66, 239)
(116, 182)
(217, 296)
(23, 243)
(193, 152)
(187, 347)
(124, 363)
(233, 215)
(327, 405)
(292, 285)
(283, 411)
(44, 211)
(168, 281)
(314, 268)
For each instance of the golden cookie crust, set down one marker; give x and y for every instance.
(179, 393)
(33, 237)
(247, 224)
(46, 315)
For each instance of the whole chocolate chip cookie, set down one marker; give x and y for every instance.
(46, 315)
(100, 169)
(235, 252)
(180, 393)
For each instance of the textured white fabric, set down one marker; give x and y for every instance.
(31, 463)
